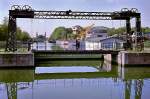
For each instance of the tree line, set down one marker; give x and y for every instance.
(120, 30)
(20, 35)
(62, 33)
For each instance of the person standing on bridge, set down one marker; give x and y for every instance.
(29, 44)
(77, 44)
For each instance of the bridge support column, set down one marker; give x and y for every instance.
(11, 44)
(128, 26)
(138, 24)
(111, 58)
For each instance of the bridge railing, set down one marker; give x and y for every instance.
(25, 47)
(72, 46)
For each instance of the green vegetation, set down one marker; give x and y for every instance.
(112, 31)
(147, 44)
(120, 30)
(62, 33)
(21, 35)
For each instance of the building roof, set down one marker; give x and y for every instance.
(94, 39)
(99, 39)
(98, 29)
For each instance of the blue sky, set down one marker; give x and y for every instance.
(32, 26)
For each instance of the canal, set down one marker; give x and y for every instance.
(75, 79)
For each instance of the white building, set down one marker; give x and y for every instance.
(110, 43)
(97, 39)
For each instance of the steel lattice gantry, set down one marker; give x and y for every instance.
(28, 12)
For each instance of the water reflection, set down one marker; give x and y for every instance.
(112, 82)
(65, 69)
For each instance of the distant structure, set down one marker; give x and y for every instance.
(40, 38)
(81, 32)
(76, 29)
(97, 39)
(99, 32)
(147, 35)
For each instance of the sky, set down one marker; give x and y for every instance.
(42, 25)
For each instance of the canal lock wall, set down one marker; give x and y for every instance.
(17, 60)
(134, 58)
(125, 58)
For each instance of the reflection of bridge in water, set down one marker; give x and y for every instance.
(112, 80)
(42, 56)
(118, 87)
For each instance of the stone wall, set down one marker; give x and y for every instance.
(17, 60)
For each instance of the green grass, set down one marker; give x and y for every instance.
(147, 44)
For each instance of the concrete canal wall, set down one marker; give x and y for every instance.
(133, 58)
(125, 58)
(16, 60)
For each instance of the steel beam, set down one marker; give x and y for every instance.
(72, 15)
(11, 44)
(27, 12)
(138, 24)
(128, 26)
(11, 90)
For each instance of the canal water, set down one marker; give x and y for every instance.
(75, 79)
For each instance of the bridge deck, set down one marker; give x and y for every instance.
(75, 52)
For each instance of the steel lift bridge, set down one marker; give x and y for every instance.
(27, 12)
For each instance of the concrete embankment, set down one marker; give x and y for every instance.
(125, 58)
(134, 58)
(16, 60)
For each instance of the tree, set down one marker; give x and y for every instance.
(20, 35)
(61, 33)
(70, 34)
(112, 31)
(146, 29)
(4, 29)
(26, 36)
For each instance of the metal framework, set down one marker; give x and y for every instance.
(138, 86)
(12, 90)
(27, 12)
